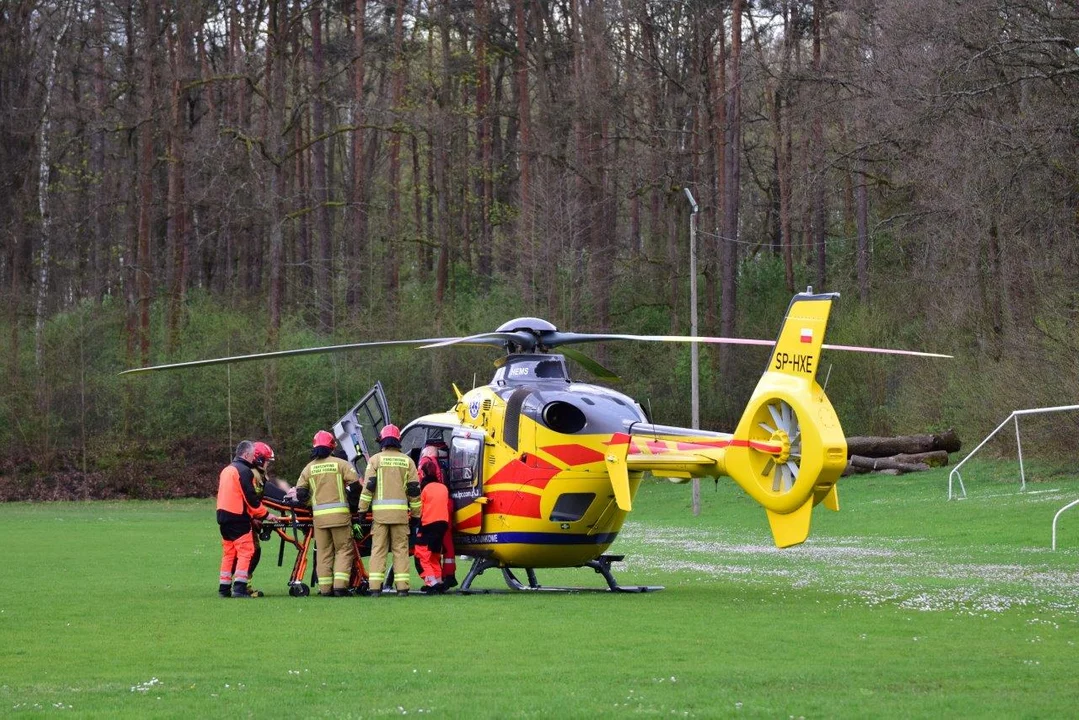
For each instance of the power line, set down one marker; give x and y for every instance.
(830, 241)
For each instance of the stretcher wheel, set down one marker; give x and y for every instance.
(299, 590)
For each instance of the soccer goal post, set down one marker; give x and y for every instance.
(955, 475)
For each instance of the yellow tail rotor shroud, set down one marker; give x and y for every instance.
(788, 450)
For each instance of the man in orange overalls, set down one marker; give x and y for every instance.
(264, 455)
(239, 514)
(435, 545)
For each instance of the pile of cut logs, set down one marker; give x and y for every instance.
(898, 455)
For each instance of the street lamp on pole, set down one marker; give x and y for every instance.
(693, 357)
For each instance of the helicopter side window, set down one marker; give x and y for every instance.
(465, 478)
(571, 506)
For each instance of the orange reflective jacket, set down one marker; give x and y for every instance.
(236, 493)
(436, 503)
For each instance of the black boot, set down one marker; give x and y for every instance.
(239, 590)
(224, 590)
(449, 581)
(340, 592)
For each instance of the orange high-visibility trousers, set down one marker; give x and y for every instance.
(237, 553)
(430, 565)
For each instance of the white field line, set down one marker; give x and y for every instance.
(1017, 493)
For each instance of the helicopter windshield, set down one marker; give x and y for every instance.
(531, 368)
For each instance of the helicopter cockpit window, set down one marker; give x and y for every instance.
(571, 506)
(550, 369)
(413, 439)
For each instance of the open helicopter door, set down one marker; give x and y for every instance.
(466, 479)
(357, 432)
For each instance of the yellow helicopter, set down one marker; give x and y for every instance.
(542, 470)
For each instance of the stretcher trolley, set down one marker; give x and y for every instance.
(296, 528)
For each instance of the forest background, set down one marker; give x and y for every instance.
(184, 179)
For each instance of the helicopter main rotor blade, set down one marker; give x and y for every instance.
(562, 338)
(496, 339)
(590, 365)
(281, 354)
(884, 351)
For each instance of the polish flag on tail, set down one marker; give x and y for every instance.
(807, 335)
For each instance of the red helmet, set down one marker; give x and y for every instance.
(390, 431)
(263, 453)
(323, 439)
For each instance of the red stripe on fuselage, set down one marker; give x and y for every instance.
(758, 445)
(574, 454)
(704, 443)
(658, 447)
(508, 502)
(535, 472)
(473, 522)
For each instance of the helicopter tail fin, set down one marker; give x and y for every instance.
(789, 449)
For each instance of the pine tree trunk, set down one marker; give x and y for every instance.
(357, 244)
(144, 261)
(820, 216)
(44, 164)
(323, 274)
(394, 254)
(177, 231)
(483, 143)
(525, 235)
(732, 195)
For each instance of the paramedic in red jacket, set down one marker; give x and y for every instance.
(239, 513)
(435, 544)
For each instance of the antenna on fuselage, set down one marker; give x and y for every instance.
(652, 420)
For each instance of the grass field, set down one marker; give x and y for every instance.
(901, 605)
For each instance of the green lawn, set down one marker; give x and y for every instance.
(901, 605)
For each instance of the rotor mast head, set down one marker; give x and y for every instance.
(525, 334)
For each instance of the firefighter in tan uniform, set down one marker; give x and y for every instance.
(392, 491)
(330, 486)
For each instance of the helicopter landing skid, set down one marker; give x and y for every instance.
(601, 565)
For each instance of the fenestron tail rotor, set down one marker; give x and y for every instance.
(782, 432)
(789, 450)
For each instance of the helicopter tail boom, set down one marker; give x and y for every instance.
(788, 450)
(789, 409)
